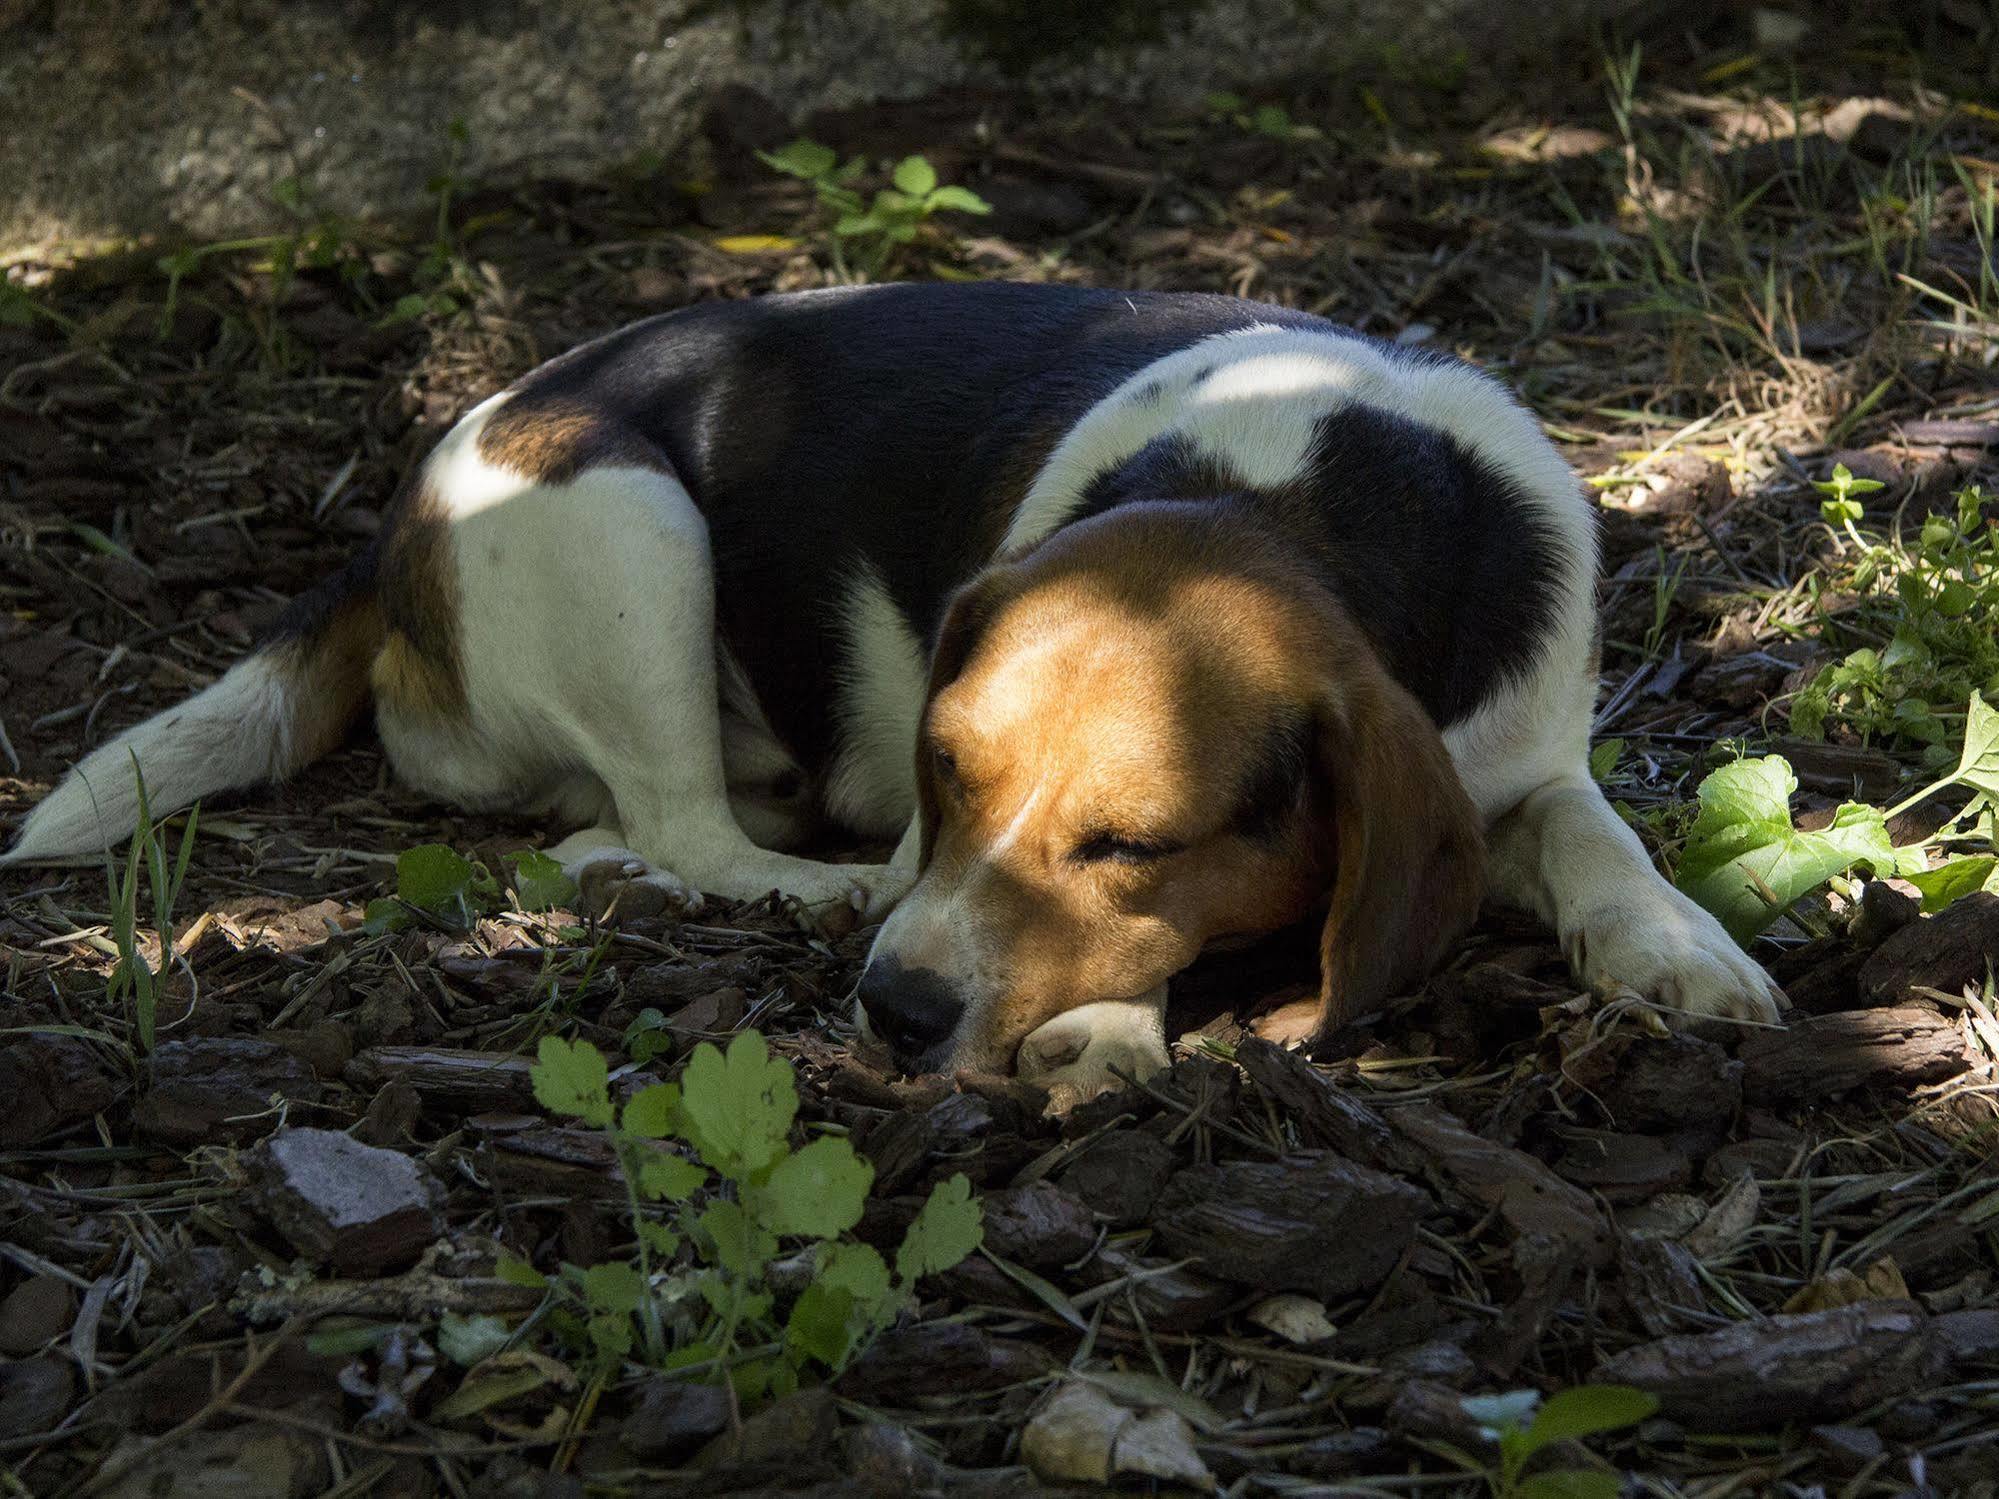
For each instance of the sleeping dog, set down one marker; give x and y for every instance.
(1143, 621)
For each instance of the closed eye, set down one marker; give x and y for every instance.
(1112, 848)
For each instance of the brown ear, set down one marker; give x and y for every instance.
(1407, 840)
(970, 610)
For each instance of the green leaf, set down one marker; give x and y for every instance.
(1840, 512)
(737, 1109)
(539, 882)
(956, 199)
(345, 1341)
(466, 1340)
(660, 1239)
(433, 878)
(613, 1286)
(1947, 882)
(802, 158)
(741, 1247)
(570, 1077)
(666, 1177)
(820, 1325)
(860, 1271)
(817, 1191)
(949, 1226)
(915, 176)
(384, 915)
(1603, 759)
(652, 1112)
(1588, 1409)
(1570, 1483)
(1743, 844)
(1978, 762)
(516, 1271)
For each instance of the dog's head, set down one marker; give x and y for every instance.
(1152, 732)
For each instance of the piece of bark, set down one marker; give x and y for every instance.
(1667, 1082)
(1825, 1055)
(1947, 951)
(214, 1089)
(1971, 1336)
(449, 1080)
(357, 1208)
(1662, 1285)
(1312, 1222)
(1530, 1198)
(35, 1394)
(1038, 1225)
(50, 1083)
(1327, 1114)
(1167, 1298)
(35, 1313)
(1816, 1366)
(906, 1365)
(673, 1418)
(1546, 1267)
(1623, 1168)
(1121, 1174)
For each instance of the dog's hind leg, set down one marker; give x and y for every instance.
(586, 613)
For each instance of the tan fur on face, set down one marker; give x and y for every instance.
(1127, 680)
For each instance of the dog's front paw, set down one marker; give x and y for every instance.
(1082, 1052)
(615, 883)
(1676, 955)
(848, 896)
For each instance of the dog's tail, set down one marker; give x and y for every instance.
(285, 704)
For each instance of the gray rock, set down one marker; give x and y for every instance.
(357, 1208)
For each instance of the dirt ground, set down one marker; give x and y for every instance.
(1713, 281)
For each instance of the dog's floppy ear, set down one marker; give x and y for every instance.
(971, 609)
(1406, 840)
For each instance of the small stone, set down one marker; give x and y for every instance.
(357, 1208)
(36, 1312)
(673, 1418)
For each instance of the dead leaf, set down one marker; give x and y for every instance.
(1727, 1220)
(1294, 1318)
(1882, 1282)
(1081, 1435)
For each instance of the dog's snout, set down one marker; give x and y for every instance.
(913, 1009)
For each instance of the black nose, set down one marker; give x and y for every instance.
(913, 1009)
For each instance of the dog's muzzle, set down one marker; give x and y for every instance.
(913, 1009)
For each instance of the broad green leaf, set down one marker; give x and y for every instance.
(1570, 1483)
(802, 158)
(1603, 759)
(467, 1340)
(611, 1333)
(1743, 844)
(652, 1111)
(539, 882)
(820, 1324)
(1587, 1410)
(516, 1271)
(660, 1239)
(570, 1077)
(817, 1191)
(958, 199)
(384, 915)
(860, 1271)
(1978, 764)
(613, 1287)
(1945, 883)
(433, 878)
(741, 1247)
(949, 1226)
(915, 176)
(665, 1177)
(737, 1109)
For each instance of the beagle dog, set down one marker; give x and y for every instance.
(1142, 620)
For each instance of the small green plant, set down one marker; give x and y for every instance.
(1932, 613)
(1272, 120)
(1524, 1425)
(1746, 862)
(878, 228)
(700, 1294)
(133, 976)
(434, 884)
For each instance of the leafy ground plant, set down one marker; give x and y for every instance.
(438, 885)
(702, 1293)
(1524, 1425)
(1746, 862)
(879, 228)
(1931, 615)
(133, 975)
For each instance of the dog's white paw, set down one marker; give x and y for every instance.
(614, 883)
(1081, 1052)
(1675, 954)
(836, 898)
